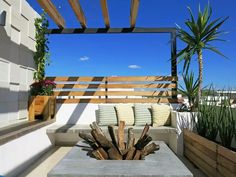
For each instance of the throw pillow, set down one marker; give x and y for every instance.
(142, 114)
(161, 114)
(125, 113)
(107, 115)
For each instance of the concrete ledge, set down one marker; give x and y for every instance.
(15, 131)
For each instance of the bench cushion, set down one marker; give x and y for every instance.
(107, 115)
(125, 113)
(161, 115)
(142, 114)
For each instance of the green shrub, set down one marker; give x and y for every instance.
(207, 123)
(227, 128)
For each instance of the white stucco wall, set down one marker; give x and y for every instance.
(17, 45)
(17, 155)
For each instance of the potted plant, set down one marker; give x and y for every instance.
(42, 102)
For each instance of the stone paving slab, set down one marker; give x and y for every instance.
(163, 163)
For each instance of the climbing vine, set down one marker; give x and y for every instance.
(41, 56)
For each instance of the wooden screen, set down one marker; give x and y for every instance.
(122, 89)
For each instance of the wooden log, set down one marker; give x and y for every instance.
(101, 140)
(100, 154)
(143, 142)
(114, 154)
(145, 130)
(137, 155)
(152, 147)
(112, 134)
(87, 137)
(121, 135)
(97, 128)
(130, 154)
(131, 139)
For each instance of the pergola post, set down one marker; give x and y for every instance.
(174, 60)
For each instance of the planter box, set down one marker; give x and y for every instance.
(42, 105)
(213, 159)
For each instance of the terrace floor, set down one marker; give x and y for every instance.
(41, 167)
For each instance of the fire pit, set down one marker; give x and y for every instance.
(115, 147)
(162, 163)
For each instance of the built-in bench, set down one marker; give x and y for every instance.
(67, 134)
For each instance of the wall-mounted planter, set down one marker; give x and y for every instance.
(42, 105)
(213, 159)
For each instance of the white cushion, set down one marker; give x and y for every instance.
(161, 115)
(125, 113)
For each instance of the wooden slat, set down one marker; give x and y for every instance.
(141, 78)
(226, 163)
(75, 5)
(112, 93)
(51, 10)
(105, 13)
(211, 172)
(77, 79)
(231, 155)
(119, 100)
(114, 79)
(201, 154)
(133, 12)
(114, 86)
(201, 147)
(209, 144)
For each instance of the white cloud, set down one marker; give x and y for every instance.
(84, 58)
(134, 66)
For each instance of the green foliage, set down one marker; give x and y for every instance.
(202, 32)
(41, 56)
(227, 128)
(212, 118)
(199, 36)
(207, 121)
(190, 89)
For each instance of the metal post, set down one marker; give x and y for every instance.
(3, 18)
(174, 60)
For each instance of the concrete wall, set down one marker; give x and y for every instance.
(19, 154)
(17, 45)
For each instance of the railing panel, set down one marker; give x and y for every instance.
(122, 89)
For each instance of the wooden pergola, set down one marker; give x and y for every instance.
(53, 12)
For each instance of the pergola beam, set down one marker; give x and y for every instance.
(133, 12)
(52, 11)
(75, 5)
(105, 13)
(110, 30)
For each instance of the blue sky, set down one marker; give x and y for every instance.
(137, 54)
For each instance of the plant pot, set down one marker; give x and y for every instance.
(213, 159)
(42, 105)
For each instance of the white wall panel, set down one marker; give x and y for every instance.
(17, 48)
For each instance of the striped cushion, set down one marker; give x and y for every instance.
(125, 113)
(142, 114)
(107, 115)
(161, 114)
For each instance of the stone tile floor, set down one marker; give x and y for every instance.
(52, 157)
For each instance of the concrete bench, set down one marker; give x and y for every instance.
(67, 134)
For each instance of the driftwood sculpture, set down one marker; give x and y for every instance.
(116, 148)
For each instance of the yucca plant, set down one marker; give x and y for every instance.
(227, 123)
(190, 89)
(199, 36)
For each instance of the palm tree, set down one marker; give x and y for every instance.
(202, 32)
